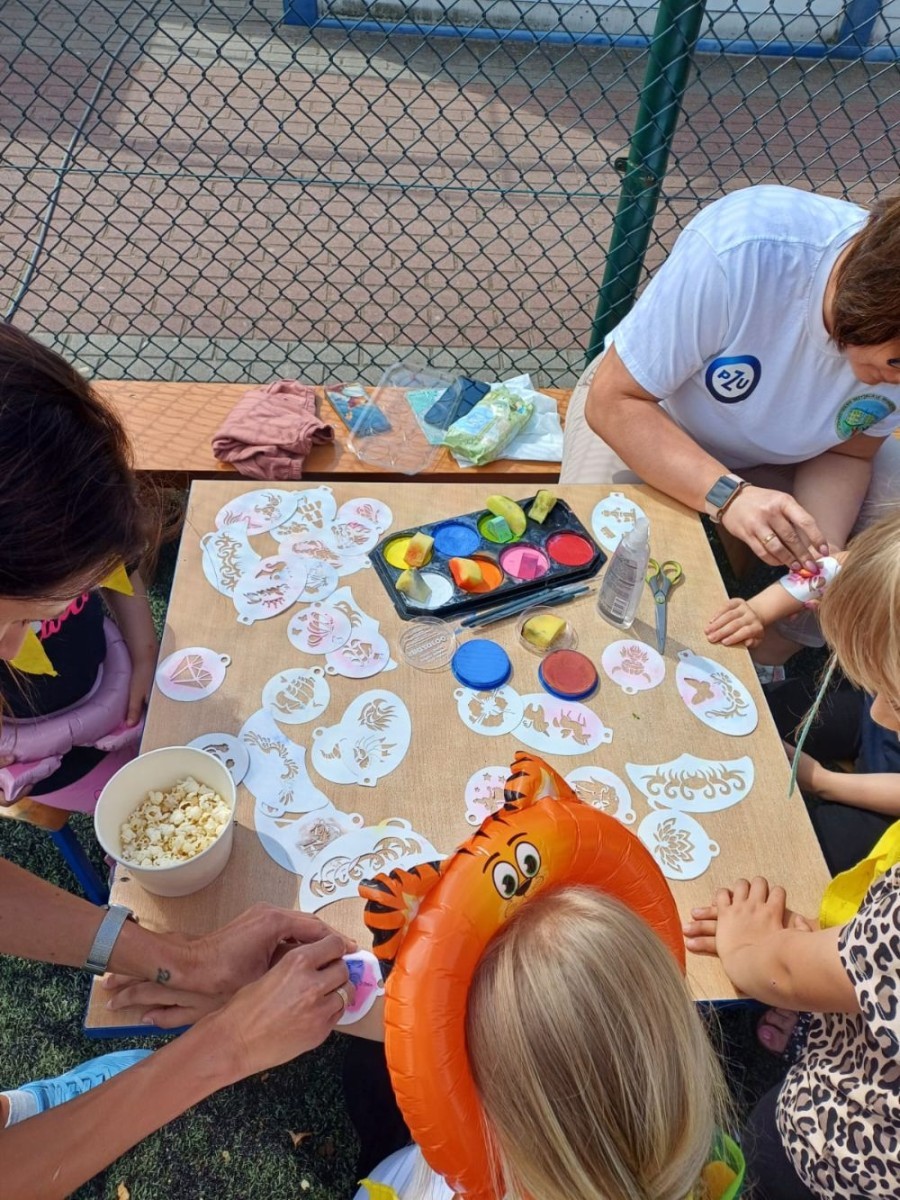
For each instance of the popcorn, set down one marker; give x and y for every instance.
(171, 827)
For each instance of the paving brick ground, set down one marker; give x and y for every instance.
(310, 194)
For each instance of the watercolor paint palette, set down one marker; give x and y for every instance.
(559, 551)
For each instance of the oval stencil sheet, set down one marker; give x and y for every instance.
(354, 536)
(321, 580)
(634, 666)
(294, 839)
(336, 873)
(365, 653)
(230, 751)
(225, 556)
(484, 793)
(693, 784)
(331, 755)
(370, 741)
(604, 790)
(257, 511)
(612, 518)
(714, 695)
(192, 674)
(316, 508)
(376, 512)
(271, 586)
(319, 630)
(560, 726)
(681, 846)
(491, 713)
(297, 696)
(278, 777)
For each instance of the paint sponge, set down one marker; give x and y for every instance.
(541, 632)
(513, 514)
(466, 572)
(541, 506)
(418, 552)
(413, 585)
(498, 529)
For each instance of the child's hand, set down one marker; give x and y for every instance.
(735, 625)
(143, 668)
(700, 932)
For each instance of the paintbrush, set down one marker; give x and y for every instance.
(559, 594)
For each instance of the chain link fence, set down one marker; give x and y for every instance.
(226, 190)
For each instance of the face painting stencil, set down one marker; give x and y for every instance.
(319, 630)
(491, 713)
(604, 790)
(321, 580)
(693, 784)
(294, 839)
(560, 726)
(484, 793)
(270, 587)
(612, 518)
(191, 674)
(371, 740)
(714, 695)
(226, 556)
(681, 846)
(296, 696)
(633, 666)
(375, 512)
(277, 776)
(364, 654)
(337, 872)
(257, 511)
(365, 975)
(230, 751)
(315, 509)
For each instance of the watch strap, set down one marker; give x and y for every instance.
(721, 494)
(105, 939)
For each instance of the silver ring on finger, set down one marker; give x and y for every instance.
(344, 995)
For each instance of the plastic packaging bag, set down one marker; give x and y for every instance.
(483, 433)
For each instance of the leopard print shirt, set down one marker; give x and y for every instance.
(839, 1109)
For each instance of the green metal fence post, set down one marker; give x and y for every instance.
(671, 52)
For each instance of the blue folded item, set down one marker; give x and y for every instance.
(351, 403)
(455, 402)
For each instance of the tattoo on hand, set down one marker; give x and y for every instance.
(163, 976)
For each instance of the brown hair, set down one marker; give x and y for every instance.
(595, 1072)
(69, 505)
(860, 611)
(865, 306)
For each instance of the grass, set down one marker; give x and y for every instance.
(238, 1145)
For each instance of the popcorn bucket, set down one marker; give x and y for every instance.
(159, 771)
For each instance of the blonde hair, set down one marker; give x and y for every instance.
(594, 1070)
(860, 611)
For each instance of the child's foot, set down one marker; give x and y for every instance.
(775, 1028)
(50, 1092)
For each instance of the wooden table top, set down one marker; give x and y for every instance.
(171, 426)
(765, 834)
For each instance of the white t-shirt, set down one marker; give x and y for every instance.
(729, 332)
(411, 1178)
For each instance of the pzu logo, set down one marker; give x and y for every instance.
(731, 379)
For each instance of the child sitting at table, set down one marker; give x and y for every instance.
(849, 810)
(72, 683)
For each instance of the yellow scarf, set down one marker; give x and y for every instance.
(846, 892)
(32, 659)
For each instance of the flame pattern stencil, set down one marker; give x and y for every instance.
(226, 556)
(555, 726)
(692, 784)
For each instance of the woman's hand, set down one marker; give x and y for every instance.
(291, 1009)
(164, 1007)
(737, 624)
(775, 527)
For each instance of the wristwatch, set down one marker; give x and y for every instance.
(721, 494)
(107, 935)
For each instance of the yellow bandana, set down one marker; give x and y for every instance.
(846, 892)
(32, 658)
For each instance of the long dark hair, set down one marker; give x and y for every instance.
(70, 509)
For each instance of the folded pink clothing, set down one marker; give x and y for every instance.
(269, 432)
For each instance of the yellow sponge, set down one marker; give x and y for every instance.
(543, 631)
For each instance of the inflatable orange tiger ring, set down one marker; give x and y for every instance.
(431, 925)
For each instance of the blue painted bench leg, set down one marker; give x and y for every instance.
(83, 869)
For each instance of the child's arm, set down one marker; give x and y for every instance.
(878, 793)
(743, 622)
(771, 955)
(132, 615)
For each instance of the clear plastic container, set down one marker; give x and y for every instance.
(404, 394)
(566, 639)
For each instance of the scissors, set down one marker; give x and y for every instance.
(661, 578)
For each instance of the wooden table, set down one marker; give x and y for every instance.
(171, 426)
(765, 834)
